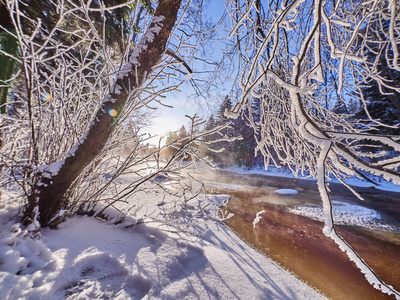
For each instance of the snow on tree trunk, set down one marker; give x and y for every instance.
(49, 193)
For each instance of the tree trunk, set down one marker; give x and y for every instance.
(49, 193)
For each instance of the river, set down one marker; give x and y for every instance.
(296, 242)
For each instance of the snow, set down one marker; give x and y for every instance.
(346, 214)
(382, 185)
(229, 186)
(72, 151)
(52, 169)
(286, 191)
(116, 88)
(257, 218)
(149, 36)
(86, 258)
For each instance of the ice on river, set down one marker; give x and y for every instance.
(345, 214)
(286, 192)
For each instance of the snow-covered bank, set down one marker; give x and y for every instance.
(275, 172)
(91, 259)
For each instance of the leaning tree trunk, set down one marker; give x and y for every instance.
(48, 194)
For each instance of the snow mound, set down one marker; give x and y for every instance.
(89, 259)
(286, 192)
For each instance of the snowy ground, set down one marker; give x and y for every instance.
(87, 258)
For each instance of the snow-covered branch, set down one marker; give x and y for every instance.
(311, 64)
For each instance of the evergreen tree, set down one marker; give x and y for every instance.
(224, 158)
(210, 124)
(182, 133)
(383, 107)
(240, 152)
(174, 141)
(220, 115)
(243, 150)
(383, 92)
(172, 137)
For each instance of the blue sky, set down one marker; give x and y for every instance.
(171, 119)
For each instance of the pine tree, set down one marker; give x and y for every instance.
(382, 95)
(224, 158)
(182, 133)
(243, 150)
(220, 115)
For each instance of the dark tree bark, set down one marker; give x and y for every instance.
(49, 193)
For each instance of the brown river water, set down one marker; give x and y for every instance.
(297, 243)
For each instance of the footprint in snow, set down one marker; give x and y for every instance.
(101, 276)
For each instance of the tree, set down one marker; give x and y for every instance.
(74, 102)
(174, 141)
(9, 45)
(172, 148)
(182, 133)
(77, 91)
(210, 123)
(381, 98)
(225, 156)
(49, 190)
(239, 146)
(8, 56)
(244, 150)
(47, 194)
(286, 51)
